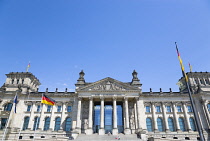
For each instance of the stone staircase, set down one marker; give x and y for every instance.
(96, 137)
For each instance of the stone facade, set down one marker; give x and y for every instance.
(150, 115)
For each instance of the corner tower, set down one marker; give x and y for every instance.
(26, 81)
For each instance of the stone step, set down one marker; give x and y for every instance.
(96, 137)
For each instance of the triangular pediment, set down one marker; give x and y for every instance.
(108, 84)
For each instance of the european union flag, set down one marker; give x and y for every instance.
(15, 103)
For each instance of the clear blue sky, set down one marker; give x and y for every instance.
(105, 38)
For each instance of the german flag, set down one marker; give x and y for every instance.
(182, 66)
(47, 100)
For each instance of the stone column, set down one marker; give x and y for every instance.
(136, 115)
(154, 117)
(164, 117)
(63, 116)
(115, 129)
(186, 117)
(78, 127)
(127, 127)
(175, 117)
(101, 130)
(89, 131)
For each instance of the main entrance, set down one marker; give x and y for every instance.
(108, 117)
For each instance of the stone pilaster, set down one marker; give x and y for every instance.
(31, 123)
(63, 116)
(52, 119)
(186, 116)
(175, 117)
(204, 104)
(78, 127)
(164, 117)
(101, 130)
(154, 117)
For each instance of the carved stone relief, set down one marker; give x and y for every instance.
(108, 86)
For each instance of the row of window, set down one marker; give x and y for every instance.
(168, 109)
(17, 81)
(68, 123)
(8, 107)
(202, 81)
(171, 126)
(49, 108)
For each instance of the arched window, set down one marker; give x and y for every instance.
(160, 124)
(192, 124)
(181, 124)
(8, 107)
(149, 125)
(25, 124)
(68, 124)
(57, 123)
(36, 123)
(171, 124)
(47, 123)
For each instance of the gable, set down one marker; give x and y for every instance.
(108, 84)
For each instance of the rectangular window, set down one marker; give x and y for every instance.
(59, 109)
(168, 109)
(28, 108)
(38, 108)
(49, 108)
(158, 109)
(148, 109)
(69, 109)
(189, 108)
(179, 109)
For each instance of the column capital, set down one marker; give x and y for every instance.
(126, 98)
(114, 98)
(68, 103)
(204, 101)
(90, 98)
(79, 98)
(28, 102)
(102, 98)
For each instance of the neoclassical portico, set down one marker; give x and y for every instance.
(107, 114)
(108, 102)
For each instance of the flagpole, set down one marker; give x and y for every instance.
(11, 112)
(38, 120)
(198, 124)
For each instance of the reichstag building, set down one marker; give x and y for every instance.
(107, 109)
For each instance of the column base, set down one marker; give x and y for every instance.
(101, 132)
(156, 131)
(178, 130)
(77, 130)
(127, 131)
(167, 131)
(89, 131)
(115, 131)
